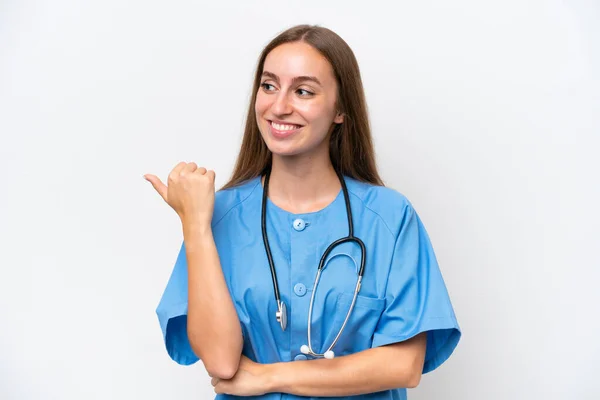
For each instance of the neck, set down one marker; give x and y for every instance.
(303, 184)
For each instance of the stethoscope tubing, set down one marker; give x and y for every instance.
(281, 309)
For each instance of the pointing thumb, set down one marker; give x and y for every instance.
(160, 187)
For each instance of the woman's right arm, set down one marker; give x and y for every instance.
(213, 326)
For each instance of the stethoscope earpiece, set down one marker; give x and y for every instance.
(329, 354)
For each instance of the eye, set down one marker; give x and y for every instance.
(304, 93)
(267, 87)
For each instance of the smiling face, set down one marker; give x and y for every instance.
(296, 102)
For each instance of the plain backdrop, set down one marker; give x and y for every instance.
(485, 114)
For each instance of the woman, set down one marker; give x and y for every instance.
(239, 297)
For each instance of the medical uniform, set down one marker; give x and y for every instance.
(402, 293)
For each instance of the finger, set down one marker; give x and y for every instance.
(188, 168)
(201, 170)
(160, 187)
(191, 167)
(221, 387)
(177, 170)
(211, 174)
(180, 165)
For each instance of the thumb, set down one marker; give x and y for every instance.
(160, 187)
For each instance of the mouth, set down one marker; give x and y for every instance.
(283, 130)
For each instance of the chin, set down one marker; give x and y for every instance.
(283, 147)
(285, 151)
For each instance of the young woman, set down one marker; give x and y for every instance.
(258, 292)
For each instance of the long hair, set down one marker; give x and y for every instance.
(350, 146)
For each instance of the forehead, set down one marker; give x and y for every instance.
(298, 59)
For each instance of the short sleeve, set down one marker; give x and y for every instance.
(172, 313)
(416, 296)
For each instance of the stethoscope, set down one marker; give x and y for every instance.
(281, 313)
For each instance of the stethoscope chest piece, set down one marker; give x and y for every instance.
(281, 315)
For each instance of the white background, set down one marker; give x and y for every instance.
(485, 115)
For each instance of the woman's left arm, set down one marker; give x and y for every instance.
(397, 365)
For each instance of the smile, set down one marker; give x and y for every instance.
(283, 130)
(284, 127)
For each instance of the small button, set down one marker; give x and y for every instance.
(299, 224)
(300, 357)
(300, 289)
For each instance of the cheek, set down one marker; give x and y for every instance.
(318, 113)
(260, 108)
(261, 105)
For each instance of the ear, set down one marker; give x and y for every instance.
(339, 118)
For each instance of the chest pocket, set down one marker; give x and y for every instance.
(363, 320)
(340, 274)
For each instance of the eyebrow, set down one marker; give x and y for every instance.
(295, 80)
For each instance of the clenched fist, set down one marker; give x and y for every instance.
(190, 191)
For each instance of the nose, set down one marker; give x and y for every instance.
(281, 104)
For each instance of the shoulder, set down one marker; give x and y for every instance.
(229, 199)
(390, 205)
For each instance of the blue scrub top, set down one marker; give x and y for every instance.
(402, 293)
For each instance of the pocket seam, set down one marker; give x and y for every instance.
(371, 303)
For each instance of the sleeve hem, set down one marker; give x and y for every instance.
(176, 344)
(439, 347)
(165, 314)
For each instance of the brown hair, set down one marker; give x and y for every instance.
(351, 146)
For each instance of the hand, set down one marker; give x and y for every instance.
(249, 380)
(190, 192)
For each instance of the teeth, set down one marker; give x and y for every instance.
(280, 127)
